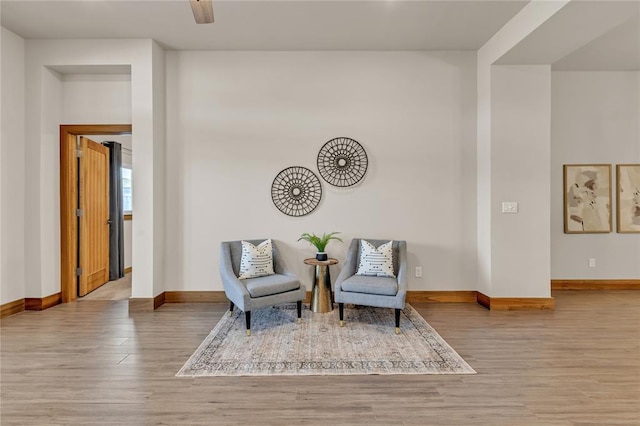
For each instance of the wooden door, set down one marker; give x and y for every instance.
(94, 219)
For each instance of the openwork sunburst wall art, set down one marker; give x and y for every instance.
(342, 162)
(296, 191)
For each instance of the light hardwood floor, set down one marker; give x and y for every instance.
(113, 290)
(92, 362)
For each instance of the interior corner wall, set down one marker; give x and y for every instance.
(483, 192)
(236, 119)
(595, 119)
(159, 167)
(524, 23)
(42, 154)
(520, 168)
(2, 201)
(12, 167)
(46, 191)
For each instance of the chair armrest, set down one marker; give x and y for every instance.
(233, 287)
(402, 267)
(350, 265)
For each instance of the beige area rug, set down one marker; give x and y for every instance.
(367, 344)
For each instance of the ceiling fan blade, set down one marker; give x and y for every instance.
(202, 11)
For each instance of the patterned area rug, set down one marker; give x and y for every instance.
(367, 344)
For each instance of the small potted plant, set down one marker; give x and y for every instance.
(320, 243)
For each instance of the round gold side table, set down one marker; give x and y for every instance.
(321, 300)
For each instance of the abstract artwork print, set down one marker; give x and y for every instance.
(628, 198)
(587, 198)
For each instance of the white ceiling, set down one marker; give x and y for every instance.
(618, 49)
(270, 25)
(584, 35)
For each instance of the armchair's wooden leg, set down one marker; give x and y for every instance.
(299, 306)
(231, 305)
(341, 309)
(247, 318)
(397, 321)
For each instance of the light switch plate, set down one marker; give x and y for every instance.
(509, 207)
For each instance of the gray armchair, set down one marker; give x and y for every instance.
(254, 293)
(381, 292)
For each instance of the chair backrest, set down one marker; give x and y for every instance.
(235, 250)
(377, 243)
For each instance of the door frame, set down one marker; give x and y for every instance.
(69, 198)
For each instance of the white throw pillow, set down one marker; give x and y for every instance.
(256, 261)
(376, 262)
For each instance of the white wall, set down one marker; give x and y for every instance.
(12, 168)
(46, 278)
(492, 164)
(42, 187)
(159, 87)
(127, 160)
(2, 201)
(513, 32)
(96, 99)
(520, 152)
(595, 119)
(234, 120)
(66, 99)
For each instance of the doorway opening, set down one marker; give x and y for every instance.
(71, 240)
(118, 288)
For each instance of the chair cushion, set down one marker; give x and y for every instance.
(384, 286)
(271, 284)
(376, 261)
(256, 261)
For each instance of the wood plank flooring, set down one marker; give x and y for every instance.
(92, 362)
(113, 290)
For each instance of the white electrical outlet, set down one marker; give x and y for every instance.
(418, 271)
(592, 263)
(509, 207)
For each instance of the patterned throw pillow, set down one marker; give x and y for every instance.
(376, 262)
(256, 261)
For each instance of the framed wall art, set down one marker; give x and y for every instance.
(342, 162)
(296, 191)
(628, 198)
(587, 198)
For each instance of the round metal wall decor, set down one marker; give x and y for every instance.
(296, 191)
(342, 162)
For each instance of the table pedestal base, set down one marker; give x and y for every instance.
(321, 293)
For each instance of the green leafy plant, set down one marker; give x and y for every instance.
(320, 243)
